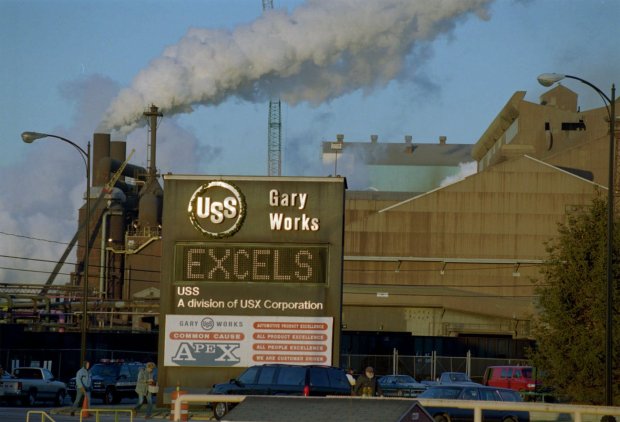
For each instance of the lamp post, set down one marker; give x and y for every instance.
(548, 79)
(30, 137)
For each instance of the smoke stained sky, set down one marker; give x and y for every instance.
(66, 61)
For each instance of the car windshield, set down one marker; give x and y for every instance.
(458, 377)
(509, 395)
(404, 379)
(249, 376)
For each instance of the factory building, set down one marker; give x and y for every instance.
(457, 260)
(427, 253)
(420, 258)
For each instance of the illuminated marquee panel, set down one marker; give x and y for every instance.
(250, 262)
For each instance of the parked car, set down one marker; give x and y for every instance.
(401, 386)
(472, 392)
(519, 378)
(112, 381)
(30, 385)
(276, 379)
(455, 378)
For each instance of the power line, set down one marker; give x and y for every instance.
(33, 238)
(93, 248)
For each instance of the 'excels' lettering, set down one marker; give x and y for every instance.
(256, 264)
(280, 221)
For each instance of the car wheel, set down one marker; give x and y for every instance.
(110, 396)
(510, 419)
(441, 418)
(30, 399)
(219, 410)
(60, 398)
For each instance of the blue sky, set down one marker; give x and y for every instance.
(65, 61)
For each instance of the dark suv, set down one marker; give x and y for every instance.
(312, 380)
(112, 381)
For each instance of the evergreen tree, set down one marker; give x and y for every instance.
(570, 328)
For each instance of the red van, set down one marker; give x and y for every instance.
(519, 378)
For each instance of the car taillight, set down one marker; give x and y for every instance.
(306, 390)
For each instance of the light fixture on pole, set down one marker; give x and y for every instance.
(548, 79)
(30, 137)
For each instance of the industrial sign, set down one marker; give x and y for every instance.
(230, 341)
(251, 262)
(252, 273)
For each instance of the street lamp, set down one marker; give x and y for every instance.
(30, 137)
(548, 79)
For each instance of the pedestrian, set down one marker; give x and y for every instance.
(351, 378)
(4, 374)
(366, 384)
(83, 385)
(146, 386)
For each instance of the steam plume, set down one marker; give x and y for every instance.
(322, 50)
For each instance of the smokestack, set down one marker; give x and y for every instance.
(373, 138)
(118, 151)
(101, 149)
(409, 144)
(442, 140)
(152, 115)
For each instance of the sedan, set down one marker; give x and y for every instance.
(400, 386)
(469, 392)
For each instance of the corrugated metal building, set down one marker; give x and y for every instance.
(457, 260)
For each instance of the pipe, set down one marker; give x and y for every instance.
(108, 165)
(102, 258)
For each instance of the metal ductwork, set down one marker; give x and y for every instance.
(107, 166)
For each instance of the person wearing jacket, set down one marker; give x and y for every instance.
(145, 379)
(4, 374)
(83, 384)
(366, 384)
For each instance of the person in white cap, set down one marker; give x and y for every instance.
(366, 384)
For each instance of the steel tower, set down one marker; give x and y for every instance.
(274, 130)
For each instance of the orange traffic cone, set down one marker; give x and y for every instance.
(85, 405)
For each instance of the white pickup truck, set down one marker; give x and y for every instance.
(31, 385)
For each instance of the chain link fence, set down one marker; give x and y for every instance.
(65, 362)
(424, 368)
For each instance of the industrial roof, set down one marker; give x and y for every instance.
(403, 154)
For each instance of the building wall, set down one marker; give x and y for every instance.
(460, 259)
(465, 252)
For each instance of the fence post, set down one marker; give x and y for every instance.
(395, 361)
(434, 365)
(468, 364)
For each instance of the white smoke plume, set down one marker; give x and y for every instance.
(321, 50)
(465, 170)
(35, 230)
